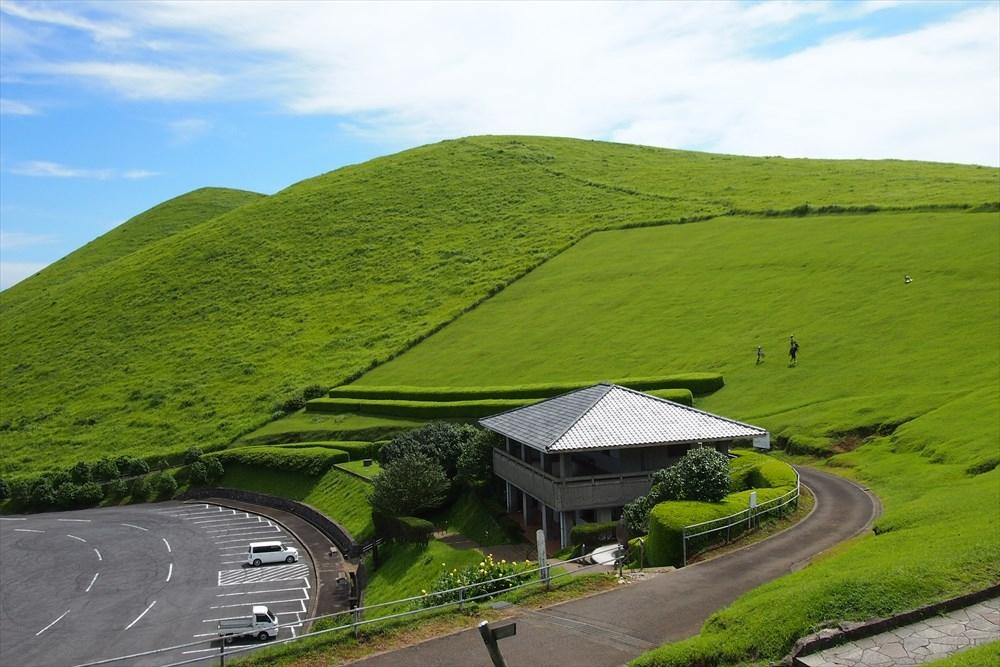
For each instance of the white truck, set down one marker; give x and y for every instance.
(260, 624)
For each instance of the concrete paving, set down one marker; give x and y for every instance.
(917, 643)
(93, 584)
(612, 628)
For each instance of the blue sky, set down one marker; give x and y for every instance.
(108, 108)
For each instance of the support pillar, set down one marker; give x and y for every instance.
(510, 496)
(545, 520)
(524, 507)
(564, 527)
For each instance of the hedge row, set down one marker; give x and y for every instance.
(594, 534)
(356, 449)
(307, 460)
(696, 383)
(751, 470)
(448, 409)
(667, 521)
(402, 528)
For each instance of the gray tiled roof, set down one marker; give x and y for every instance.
(607, 416)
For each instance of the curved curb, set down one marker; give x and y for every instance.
(314, 599)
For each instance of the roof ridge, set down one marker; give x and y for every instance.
(583, 414)
(689, 408)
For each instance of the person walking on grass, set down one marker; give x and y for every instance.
(793, 350)
(760, 355)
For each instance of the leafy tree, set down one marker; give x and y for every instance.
(704, 475)
(409, 484)
(214, 468)
(117, 488)
(193, 454)
(20, 491)
(140, 488)
(88, 494)
(198, 474)
(166, 486)
(105, 470)
(66, 495)
(4, 489)
(314, 391)
(475, 462)
(636, 515)
(441, 442)
(42, 494)
(80, 472)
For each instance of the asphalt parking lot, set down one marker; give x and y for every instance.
(95, 584)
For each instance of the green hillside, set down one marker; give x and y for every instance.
(195, 337)
(170, 217)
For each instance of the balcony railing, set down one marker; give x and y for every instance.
(571, 493)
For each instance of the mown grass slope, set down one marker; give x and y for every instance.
(193, 339)
(922, 358)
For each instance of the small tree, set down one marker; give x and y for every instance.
(198, 474)
(408, 485)
(89, 494)
(140, 488)
(4, 489)
(117, 488)
(166, 486)
(66, 495)
(80, 472)
(42, 494)
(704, 475)
(475, 462)
(105, 470)
(214, 468)
(441, 442)
(193, 454)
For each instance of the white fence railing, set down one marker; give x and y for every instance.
(740, 522)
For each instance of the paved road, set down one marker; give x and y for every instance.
(613, 628)
(92, 584)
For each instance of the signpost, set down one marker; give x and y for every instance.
(543, 563)
(492, 636)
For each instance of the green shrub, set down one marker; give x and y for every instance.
(308, 460)
(192, 455)
(89, 494)
(402, 528)
(479, 579)
(475, 461)
(80, 472)
(441, 442)
(105, 470)
(66, 495)
(357, 449)
(214, 468)
(198, 474)
(593, 534)
(4, 489)
(409, 484)
(117, 488)
(697, 383)
(139, 490)
(42, 494)
(417, 409)
(166, 486)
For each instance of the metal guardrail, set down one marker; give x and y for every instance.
(355, 616)
(740, 522)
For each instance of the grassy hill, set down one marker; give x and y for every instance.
(193, 338)
(172, 216)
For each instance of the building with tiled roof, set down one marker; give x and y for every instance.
(583, 455)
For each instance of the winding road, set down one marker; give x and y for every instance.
(615, 627)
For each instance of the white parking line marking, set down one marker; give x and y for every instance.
(234, 517)
(250, 604)
(201, 650)
(75, 520)
(11, 518)
(76, 538)
(181, 508)
(273, 590)
(243, 531)
(98, 554)
(206, 634)
(225, 521)
(167, 543)
(170, 571)
(263, 574)
(252, 538)
(242, 525)
(231, 562)
(132, 525)
(52, 623)
(140, 615)
(207, 513)
(27, 530)
(96, 575)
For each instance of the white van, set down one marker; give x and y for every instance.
(271, 552)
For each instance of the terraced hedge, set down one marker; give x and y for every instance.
(697, 383)
(306, 460)
(356, 449)
(448, 409)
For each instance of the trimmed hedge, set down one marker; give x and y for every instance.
(357, 449)
(696, 383)
(402, 528)
(751, 470)
(667, 521)
(593, 534)
(449, 409)
(307, 460)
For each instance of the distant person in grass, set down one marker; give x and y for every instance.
(760, 355)
(793, 350)
(907, 279)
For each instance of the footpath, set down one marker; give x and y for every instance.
(614, 627)
(916, 643)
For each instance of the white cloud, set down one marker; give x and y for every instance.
(14, 272)
(140, 81)
(185, 130)
(15, 108)
(39, 13)
(44, 168)
(11, 240)
(677, 74)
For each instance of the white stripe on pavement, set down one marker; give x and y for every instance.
(98, 554)
(96, 575)
(52, 623)
(27, 530)
(76, 538)
(169, 550)
(139, 617)
(132, 525)
(170, 572)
